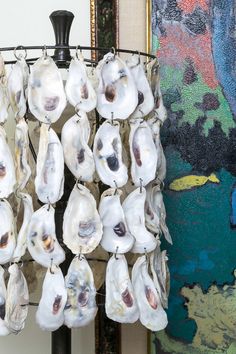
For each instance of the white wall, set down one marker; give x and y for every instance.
(26, 22)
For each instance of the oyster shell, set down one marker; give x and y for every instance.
(17, 300)
(49, 181)
(116, 237)
(4, 331)
(161, 274)
(145, 96)
(155, 125)
(22, 236)
(4, 104)
(120, 303)
(107, 150)
(7, 232)
(3, 78)
(7, 168)
(50, 312)
(160, 110)
(133, 207)
(117, 95)
(46, 95)
(155, 212)
(81, 305)
(17, 84)
(143, 152)
(79, 89)
(23, 170)
(41, 238)
(82, 227)
(152, 314)
(78, 155)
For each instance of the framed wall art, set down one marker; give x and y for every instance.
(195, 43)
(104, 24)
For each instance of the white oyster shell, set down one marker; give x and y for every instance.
(154, 69)
(46, 95)
(79, 89)
(152, 314)
(17, 84)
(50, 312)
(41, 239)
(155, 125)
(4, 331)
(81, 305)
(22, 236)
(49, 181)
(7, 232)
(133, 207)
(107, 150)
(4, 104)
(17, 300)
(117, 95)
(155, 212)
(3, 78)
(7, 167)
(160, 274)
(145, 96)
(78, 155)
(82, 227)
(23, 170)
(116, 238)
(143, 152)
(120, 302)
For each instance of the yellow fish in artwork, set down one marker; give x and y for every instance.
(191, 181)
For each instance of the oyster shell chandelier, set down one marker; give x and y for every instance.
(111, 146)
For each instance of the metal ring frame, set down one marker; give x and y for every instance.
(44, 48)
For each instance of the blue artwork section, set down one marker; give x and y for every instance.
(204, 249)
(224, 47)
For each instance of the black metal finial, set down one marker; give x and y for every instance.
(61, 21)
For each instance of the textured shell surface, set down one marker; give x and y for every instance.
(133, 207)
(17, 84)
(116, 237)
(160, 274)
(107, 151)
(143, 152)
(117, 95)
(46, 94)
(17, 300)
(41, 238)
(155, 125)
(49, 181)
(81, 306)
(4, 331)
(154, 75)
(152, 219)
(79, 89)
(7, 167)
(4, 103)
(82, 227)
(120, 302)
(159, 209)
(7, 232)
(50, 312)
(145, 96)
(21, 244)
(78, 155)
(3, 78)
(152, 314)
(23, 170)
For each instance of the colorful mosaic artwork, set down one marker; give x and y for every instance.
(195, 41)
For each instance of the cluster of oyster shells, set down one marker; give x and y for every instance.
(127, 157)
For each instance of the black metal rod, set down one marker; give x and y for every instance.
(118, 50)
